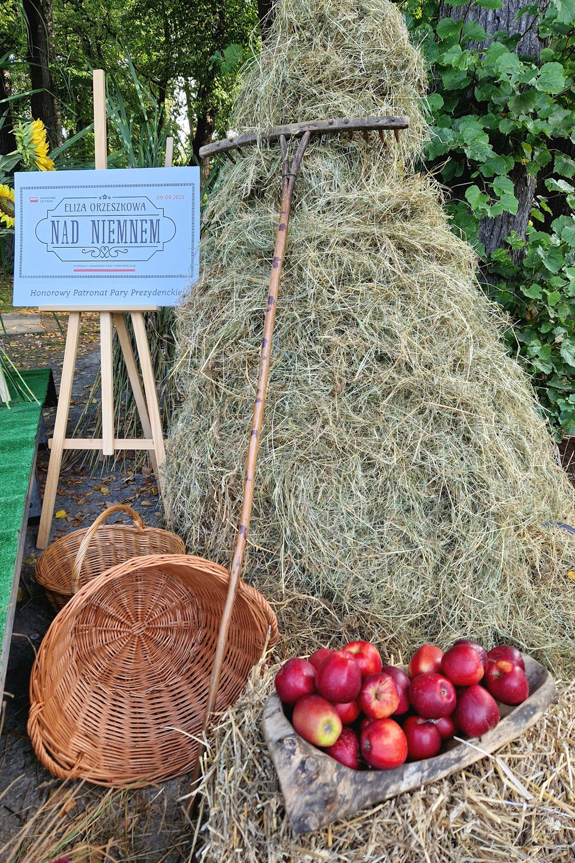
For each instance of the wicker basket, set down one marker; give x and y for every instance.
(120, 683)
(76, 558)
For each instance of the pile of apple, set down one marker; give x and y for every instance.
(349, 704)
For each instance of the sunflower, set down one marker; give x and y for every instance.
(32, 144)
(6, 206)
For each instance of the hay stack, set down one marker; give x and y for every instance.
(405, 476)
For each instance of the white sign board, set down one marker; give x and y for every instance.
(106, 238)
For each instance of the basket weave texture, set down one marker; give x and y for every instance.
(74, 559)
(120, 683)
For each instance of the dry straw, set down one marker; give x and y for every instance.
(515, 806)
(404, 469)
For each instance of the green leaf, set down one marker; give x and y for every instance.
(559, 185)
(490, 4)
(522, 103)
(506, 125)
(475, 197)
(551, 78)
(447, 27)
(534, 291)
(455, 79)
(567, 351)
(473, 31)
(564, 165)
(435, 101)
(552, 258)
(565, 11)
(503, 186)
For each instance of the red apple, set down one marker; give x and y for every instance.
(507, 682)
(348, 712)
(339, 678)
(425, 660)
(316, 720)
(481, 652)
(295, 678)
(423, 737)
(366, 655)
(476, 711)
(446, 727)
(402, 681)
(367, 720)
(378, 697)
(318, 657)
(383, 744)
(461, 664)
(507, 651)
(346, 749)
(432, 695)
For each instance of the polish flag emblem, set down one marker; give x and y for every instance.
(33, 200)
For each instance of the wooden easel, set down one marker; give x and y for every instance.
(145, 396)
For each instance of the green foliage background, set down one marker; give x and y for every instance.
(490, 110)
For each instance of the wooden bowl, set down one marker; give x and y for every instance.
(318, 790)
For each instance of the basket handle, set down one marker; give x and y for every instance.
(87, 539)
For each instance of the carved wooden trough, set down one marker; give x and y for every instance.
(318, 790)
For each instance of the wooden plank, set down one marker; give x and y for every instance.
(135, 381)
(60, 425)
(98, 309)
(107, 379)
(318, 790)
(150, 391)
(97, 443)
(296, 130)
(100, 133)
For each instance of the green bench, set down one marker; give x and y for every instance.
(20, 432)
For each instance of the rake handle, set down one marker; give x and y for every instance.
(288, 183)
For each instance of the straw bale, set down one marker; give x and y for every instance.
(516, 805)
(405, 473)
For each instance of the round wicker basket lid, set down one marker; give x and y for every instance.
(120, 683)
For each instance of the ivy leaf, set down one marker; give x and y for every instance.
(551, 78)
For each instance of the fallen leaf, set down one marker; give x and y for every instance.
(104, 490)
(146, 503)
(60, 514)
(31, 560)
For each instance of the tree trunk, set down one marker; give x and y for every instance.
(7, 139)
(492, 232)
(40, 34)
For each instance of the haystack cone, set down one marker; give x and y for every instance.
(405, 475)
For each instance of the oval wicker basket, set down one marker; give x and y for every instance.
(120, 683)
(76, 558)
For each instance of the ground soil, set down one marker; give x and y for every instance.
(147, 825)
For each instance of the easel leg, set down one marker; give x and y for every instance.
(106, 359)
(150, 391)
(136, 383)
(60, 426)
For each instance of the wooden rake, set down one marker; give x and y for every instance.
(304, 131)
